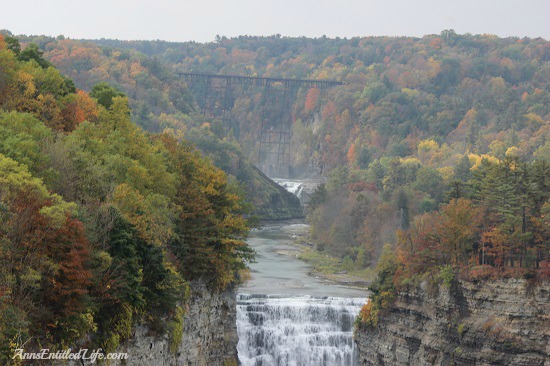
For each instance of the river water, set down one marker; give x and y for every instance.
(287, 317)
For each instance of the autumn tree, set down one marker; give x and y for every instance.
(45, 254)
(458, 228)
(210, 228)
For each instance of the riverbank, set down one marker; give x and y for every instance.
(324, 266)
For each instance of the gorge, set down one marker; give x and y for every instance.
(125, 211)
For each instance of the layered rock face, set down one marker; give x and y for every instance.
(209, 337)
(503, 322)
(210, 331)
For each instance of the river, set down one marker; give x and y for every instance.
(287, 317)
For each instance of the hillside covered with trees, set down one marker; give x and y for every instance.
(161, 102)
(437, 146)
(419, 122)
(102, 224)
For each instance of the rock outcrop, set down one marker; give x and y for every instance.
(503, 322)
(270, 200)
(209, 336)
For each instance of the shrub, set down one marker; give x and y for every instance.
(383, 289)
(175, 329)
(460, 329)
(446, 274)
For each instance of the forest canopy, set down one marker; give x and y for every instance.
(101, 223)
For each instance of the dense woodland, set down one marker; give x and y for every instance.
(419, 122)
(436, 146)
(102, 224)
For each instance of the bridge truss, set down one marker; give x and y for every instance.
(216, 97)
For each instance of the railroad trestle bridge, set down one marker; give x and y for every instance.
(216, 97)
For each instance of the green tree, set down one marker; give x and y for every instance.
(462, 169)
(402, 206)
(383, 290)
(32, 52)
(104, 93)
(23, 138)
(124, 245)
(210, 228)
(318, 197)
(430, 181)
(13, 44)
(376, 173)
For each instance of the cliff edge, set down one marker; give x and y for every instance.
(501, 322)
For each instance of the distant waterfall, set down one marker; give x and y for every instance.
(296, 331)
(293, 186)
(300, 188)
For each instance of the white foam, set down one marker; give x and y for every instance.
(301, 330)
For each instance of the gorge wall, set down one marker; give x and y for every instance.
(209, 336)
(504, 322)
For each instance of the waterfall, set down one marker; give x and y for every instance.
(296, 331)
(300, 188)
(293, 186)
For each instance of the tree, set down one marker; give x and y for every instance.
(458, 228)
(124, 244)
(104, 93)
(402, 205)
(430, 181)
(376, 173)
(13, 44)
(65, 289)
(318, 197)
(44, 254)
(32, 52)
(462, 169)
(507, 192)
(311, 99)
(78, 108)
(23, 138)
(210, 228)
(382, 288)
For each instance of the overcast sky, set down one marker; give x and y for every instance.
(180, 20)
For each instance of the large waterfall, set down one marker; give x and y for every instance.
(296, 331)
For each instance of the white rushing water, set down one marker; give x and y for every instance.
(297, 319)
(299, 330)
(300, 188)
(293, 186)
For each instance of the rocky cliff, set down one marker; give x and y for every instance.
(503, 322)
(209, 336)
(270, 200)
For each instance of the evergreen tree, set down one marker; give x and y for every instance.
(462, 169)
(104, 93)
(402, 210)
(32, 52)
(123, 248)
